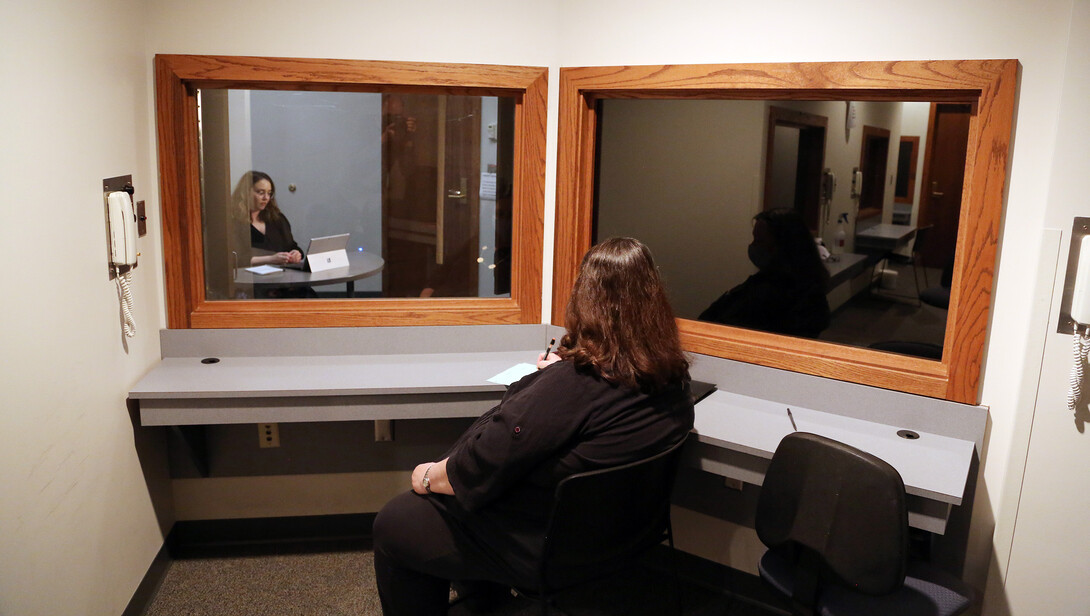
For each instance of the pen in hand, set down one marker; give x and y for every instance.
(792, 418)
(544, 360)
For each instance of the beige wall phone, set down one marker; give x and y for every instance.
(122, 233)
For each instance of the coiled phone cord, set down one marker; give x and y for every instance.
(124, 294)
(1080, 344)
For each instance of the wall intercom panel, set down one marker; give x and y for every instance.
(122, 230)
(124, 224)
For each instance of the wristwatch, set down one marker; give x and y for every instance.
(426, 481)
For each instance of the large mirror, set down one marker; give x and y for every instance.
(704, 162)
(765, 236)
(421, 185)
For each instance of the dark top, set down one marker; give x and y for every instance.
(773, 302)
(276, 238)
(549, 425)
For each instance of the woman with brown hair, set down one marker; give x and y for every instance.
(270, 232)
(616, 391)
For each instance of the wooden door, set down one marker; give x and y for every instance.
(944, 176)
(430, 195)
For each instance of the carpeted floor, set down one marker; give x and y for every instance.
(889, 314)
(340, 583)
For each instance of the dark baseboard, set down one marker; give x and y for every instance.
(256, 536)
(145, 592)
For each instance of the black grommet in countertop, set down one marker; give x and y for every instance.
(909, 434)
(210, 360)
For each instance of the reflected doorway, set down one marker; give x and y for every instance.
(794, 161)
(944, 176)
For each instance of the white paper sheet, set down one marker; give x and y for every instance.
(513, 374)
(263, 269)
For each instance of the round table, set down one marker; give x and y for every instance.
(360, 265)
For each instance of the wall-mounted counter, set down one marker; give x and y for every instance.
(329, 375)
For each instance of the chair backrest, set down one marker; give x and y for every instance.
(605, 517)
(822, 497)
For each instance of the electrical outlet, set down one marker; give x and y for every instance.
(268, 435)
(384, 430)
(732, 484)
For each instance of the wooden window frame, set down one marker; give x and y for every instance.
(178, 77)
(989, 85)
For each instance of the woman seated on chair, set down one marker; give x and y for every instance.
(270, 231)
(615, 392)
(271, 241)
(787, 294)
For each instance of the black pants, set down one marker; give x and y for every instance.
(419, 551)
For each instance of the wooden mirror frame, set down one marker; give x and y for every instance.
(177, 79)
(989, 85)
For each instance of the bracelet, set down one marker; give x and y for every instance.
(425, 480)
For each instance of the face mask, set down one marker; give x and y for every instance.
(759, 257)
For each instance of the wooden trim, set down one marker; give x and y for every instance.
(179, 76)
(987, 84)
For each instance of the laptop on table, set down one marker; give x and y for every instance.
(328, 252)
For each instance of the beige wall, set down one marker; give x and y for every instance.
(1051, 540)
(673, 176)
(77, 525)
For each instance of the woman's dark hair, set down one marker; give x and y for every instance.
(796, 252)
(243, 197)
(619, 320)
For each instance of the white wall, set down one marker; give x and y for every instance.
(77, 525)
(914, 124)
(328, 145)
(74, 496)
(1050, 542)
(686, 178)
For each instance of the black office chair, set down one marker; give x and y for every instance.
(603, 520)
(922, 235)
(835, 521)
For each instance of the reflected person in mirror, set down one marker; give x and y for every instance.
(616, 391)
(787, 294)
(270, 232)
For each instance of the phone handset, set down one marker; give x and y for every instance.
(1080, 314)
(123, 234)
